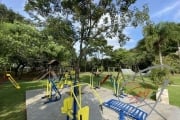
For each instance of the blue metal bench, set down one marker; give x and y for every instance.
(125, 109)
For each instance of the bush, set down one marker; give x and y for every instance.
(158, 75)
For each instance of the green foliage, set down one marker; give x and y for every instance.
(12, 102)
(160, 36)
(8, 15)
(61, 31)
(93, 21)
(159, 75)
(132, 58)
(173, 60)
(18, 39)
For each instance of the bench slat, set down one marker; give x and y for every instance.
(127, 109)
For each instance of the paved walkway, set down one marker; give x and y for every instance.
(36, 110)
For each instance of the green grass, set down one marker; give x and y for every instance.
(174, 95)
(132, 89)
(12, 101)
(175, 78)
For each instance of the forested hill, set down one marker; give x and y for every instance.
(8, 15)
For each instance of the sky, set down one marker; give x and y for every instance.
(159, 11)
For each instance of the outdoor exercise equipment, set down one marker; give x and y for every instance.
(52, 92)
(105, 78)
(97, 71)
(83, 111)
(66, 80)
(13, 81)
(127, 110)
(91, 81)
(116, 81)
(50, 88)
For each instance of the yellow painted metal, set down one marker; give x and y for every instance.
(80, 98)
(61, 84)
(72, 72)
(83, 113)
(75, 97)
(13, 81)
(97, 96)
(67, 106)
(47, 88)
(116, 88)
(94, 92)
(50, 90)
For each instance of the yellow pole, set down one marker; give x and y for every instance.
(47, 88)
(80, 100)
(50, 91)
(76, 99)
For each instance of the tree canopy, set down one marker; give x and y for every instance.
(93, 22)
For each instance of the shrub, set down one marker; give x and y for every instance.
(158, 75)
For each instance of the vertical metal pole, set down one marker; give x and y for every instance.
(121, 116)
(74, 100)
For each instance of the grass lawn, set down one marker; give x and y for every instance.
(175, 78)
(174, 95)
(12, 101)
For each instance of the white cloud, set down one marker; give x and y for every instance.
(167, 9)
(177, 16)
(114, 42)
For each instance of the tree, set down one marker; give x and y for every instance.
(175, 36)
(92, 20)
(160, 37)
(144, 57)
(19, 42)
(61, 31)
(156, 37)
(97, 20)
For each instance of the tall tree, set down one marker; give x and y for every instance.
(61, 31)
(93, 20)
(174, 29)
(156, 37)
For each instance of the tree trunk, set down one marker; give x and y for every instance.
(160, 55)
(16, 70)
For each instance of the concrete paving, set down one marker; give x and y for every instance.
(37, 110)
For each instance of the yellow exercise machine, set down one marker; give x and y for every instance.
(83, 112)
(91, 81)
(53, 86)
(50, 87)
(66, 81)
(13, 81)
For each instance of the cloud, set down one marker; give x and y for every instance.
(177, 16)
(167, 9)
